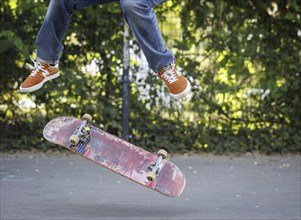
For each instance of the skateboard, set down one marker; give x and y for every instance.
(151, 170)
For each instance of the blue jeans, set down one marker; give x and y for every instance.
(139, 15)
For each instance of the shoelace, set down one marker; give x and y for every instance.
(169, 75)
(37, 67)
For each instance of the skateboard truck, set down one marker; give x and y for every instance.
(154, 168)
(82, 133)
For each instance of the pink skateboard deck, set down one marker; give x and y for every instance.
(117, 155)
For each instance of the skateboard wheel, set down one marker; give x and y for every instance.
(74, 139)
(162, 153)
(87, 117)
(151, 176)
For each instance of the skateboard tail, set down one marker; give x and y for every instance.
(179, 183)
(183, 187)
(57, 128)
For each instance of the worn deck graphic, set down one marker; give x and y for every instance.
(117, 155)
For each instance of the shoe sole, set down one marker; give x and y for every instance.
(182, 94)
(38, 86)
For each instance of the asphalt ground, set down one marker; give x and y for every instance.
(54, 186)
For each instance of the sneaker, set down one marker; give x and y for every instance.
(177, 84)
(40, 73)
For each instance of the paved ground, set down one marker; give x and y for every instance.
(50, 186)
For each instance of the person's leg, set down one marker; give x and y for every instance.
(58, 16)
(142, 20)
(48, 42)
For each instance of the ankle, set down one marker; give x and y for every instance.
(162, 70)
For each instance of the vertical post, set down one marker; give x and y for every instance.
(125, 83)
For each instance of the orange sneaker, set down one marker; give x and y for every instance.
(177, 84)
(40, 73)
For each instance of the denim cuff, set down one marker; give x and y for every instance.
(166, 67)
(51, 62)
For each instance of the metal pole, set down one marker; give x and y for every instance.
(125, 84)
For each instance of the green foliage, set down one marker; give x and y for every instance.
(242, 57)
(249, 63)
